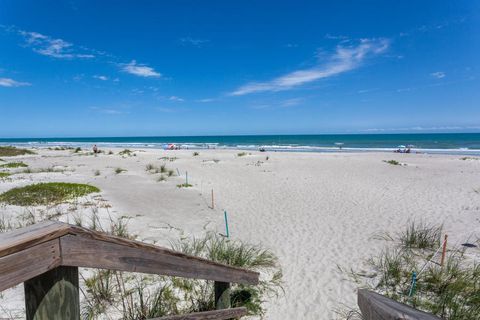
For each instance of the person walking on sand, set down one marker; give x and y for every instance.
(95, 149)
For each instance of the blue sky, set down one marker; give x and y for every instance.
(136, 68)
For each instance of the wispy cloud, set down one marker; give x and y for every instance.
(55, 48)
(438, 74)
(345, 58)
(140, 70)
(100, 77)
(420, 128)
(291, 102)
(10, 83)
(109, 111)
(175, 98)
(193, 42)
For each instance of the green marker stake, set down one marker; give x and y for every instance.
(226, 223)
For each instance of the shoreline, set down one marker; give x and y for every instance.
(281, 149)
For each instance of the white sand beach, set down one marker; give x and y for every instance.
(315, 211)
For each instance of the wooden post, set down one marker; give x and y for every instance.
(444, 250)
(222, 295)
(213, 202)
(53, 295)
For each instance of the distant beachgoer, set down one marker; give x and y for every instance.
(95, 149)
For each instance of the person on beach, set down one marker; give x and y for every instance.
(95, 149)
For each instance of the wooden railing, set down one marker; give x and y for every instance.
(46, 257)
(374, 306)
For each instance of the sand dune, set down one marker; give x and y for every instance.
(315, 211)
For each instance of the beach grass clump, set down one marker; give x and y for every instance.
(46, 193)
(11, 165)
(171, 159)
(241, 154)
(119, 170)
(200, 294)
(421, 235)
(451, 291)
(196, 153)
(40, 170)
(77, 150)
(4, 175)
(126, 152)
(161, 178)
(96, 173)
(392, 162)
(184, 185)
(9, 151)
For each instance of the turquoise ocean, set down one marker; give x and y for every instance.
(452, 143)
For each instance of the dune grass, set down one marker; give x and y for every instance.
(196, 153)
(421, 235)
(392, 162)
(451, 292)
(46, 193)
(8, 151)
(14, 165)
(126, 152)
(4, 175)
(241, 154)
(184, 185)
(119, 170)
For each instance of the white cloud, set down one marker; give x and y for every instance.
(420, 128)
(140, 70)
(10, 83)
(175, 98)
(193, 42)
(345, 58)
(109, 111)
(100, 77)
(291, 102)
(438, 74)
(56, 48)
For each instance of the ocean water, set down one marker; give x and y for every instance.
(455, 143)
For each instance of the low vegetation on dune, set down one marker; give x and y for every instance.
(40, 170)
(126, 152)
(196, 153)
(14, 165)
(393, 162)
(451, 291)
(184, 185)
(46, 193)
(162, 169)
(119, 170)
(7, 151)
(138, 297)
(4, 175)
(241, 154)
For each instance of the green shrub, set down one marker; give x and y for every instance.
(46, 193)
(241, 154)
(196, 154)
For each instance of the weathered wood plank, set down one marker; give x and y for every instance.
(53, 295)
(374, 306)
(101, 251)
(26, 264)
(19, 239)
(209, 315)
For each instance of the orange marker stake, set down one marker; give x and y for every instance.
(444, 251)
